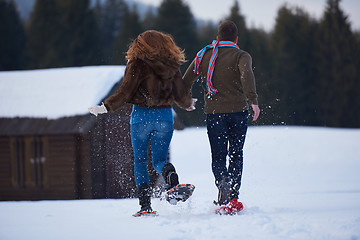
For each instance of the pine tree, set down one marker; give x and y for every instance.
(12, 40)
(174, 17)
(262, 62)
(293, 46)
(110, 20)
(338, 63)
(239, 20)
(206, 33)
(79, 34)
(130, 29)
(43, 35)
(148, 22)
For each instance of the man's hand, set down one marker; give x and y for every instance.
(192, 107)
(256, 110)
(98, 109)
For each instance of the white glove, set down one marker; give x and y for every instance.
(98, 109)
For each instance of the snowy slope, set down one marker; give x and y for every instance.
(55, 93)
(298, 183)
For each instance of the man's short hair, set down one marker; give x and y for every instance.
(227, 31)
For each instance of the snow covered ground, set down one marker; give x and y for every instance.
(298, 183)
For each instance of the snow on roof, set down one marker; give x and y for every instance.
(55, 93)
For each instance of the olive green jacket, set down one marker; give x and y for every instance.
(233, 78)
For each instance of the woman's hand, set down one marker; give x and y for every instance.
(192, 107)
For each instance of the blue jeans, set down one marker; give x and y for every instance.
(227, 132)
(159, 133)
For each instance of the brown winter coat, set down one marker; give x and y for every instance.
(153, 83)
(233, 78)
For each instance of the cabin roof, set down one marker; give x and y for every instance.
(53, 101)
(55, 93)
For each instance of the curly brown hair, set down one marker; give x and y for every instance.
(151, 43)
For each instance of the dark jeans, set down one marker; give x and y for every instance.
(227, 132)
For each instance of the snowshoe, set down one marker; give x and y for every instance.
(148, 212)
(232, 208)
(180, 192)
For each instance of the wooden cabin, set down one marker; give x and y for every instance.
(52, 148)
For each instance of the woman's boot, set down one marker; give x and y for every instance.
(170, 176)
(144, 193)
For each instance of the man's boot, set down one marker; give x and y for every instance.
(224, 187)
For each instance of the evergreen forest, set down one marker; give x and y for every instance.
(307, 70)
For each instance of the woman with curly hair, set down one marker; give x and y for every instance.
(152, 83)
